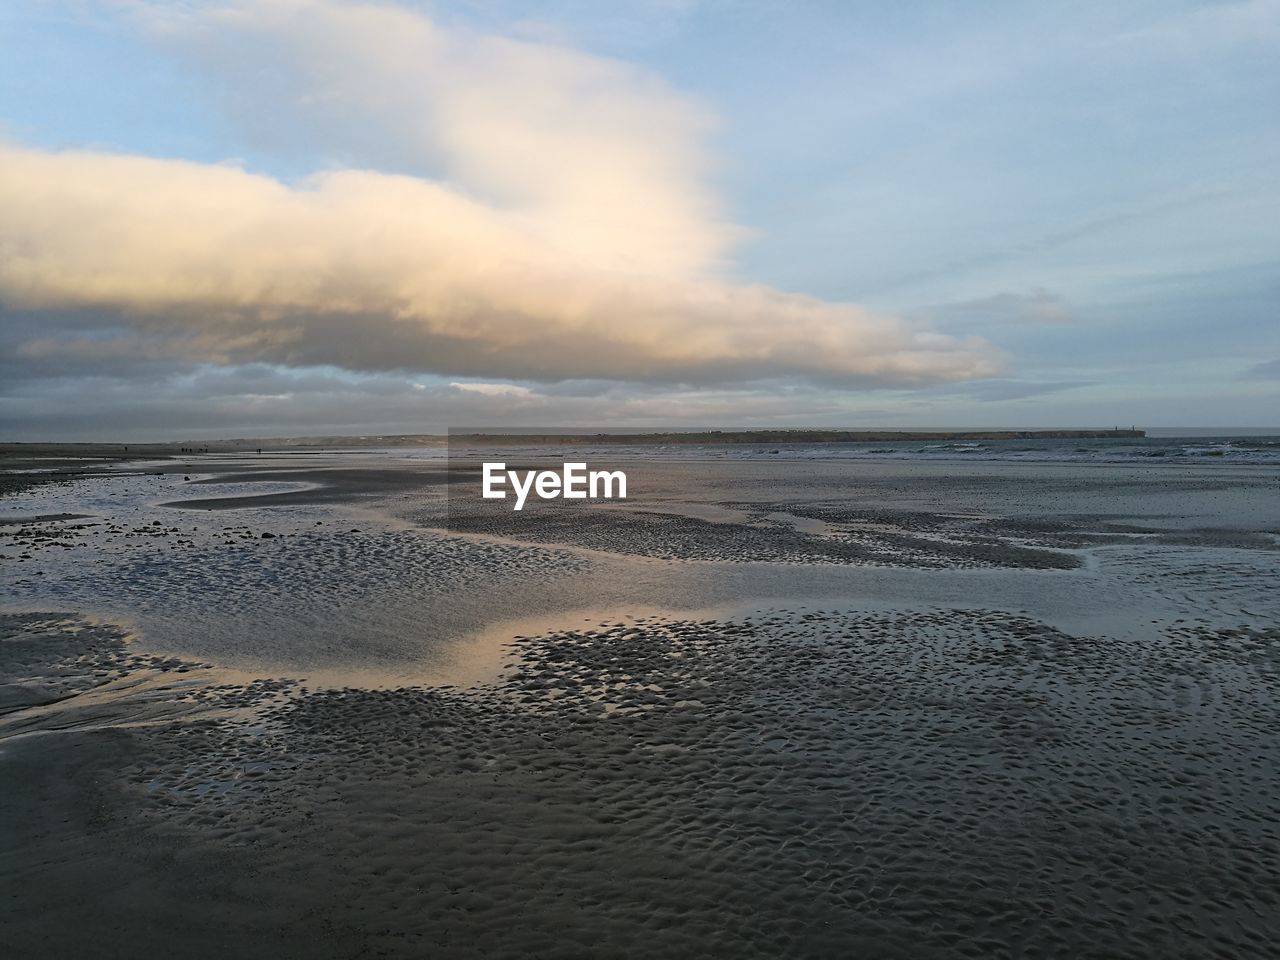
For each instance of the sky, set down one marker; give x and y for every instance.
(284, 217)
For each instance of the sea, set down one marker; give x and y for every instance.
(1263, 450)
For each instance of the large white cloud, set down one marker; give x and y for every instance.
(551, 219)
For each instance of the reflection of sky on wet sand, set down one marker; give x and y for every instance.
(355, 593)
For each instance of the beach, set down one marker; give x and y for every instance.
(895, 700)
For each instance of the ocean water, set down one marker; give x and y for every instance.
(1263, 450)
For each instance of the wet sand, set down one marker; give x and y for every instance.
(264, 708)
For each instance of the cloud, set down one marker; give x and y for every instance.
(996, 390)
(1140, 214)
(1266, 370)
(604, 161)
(549, 218)
(512, 390)
(1203, 30)
(1037, 307)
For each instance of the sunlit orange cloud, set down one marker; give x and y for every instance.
(555, 221)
